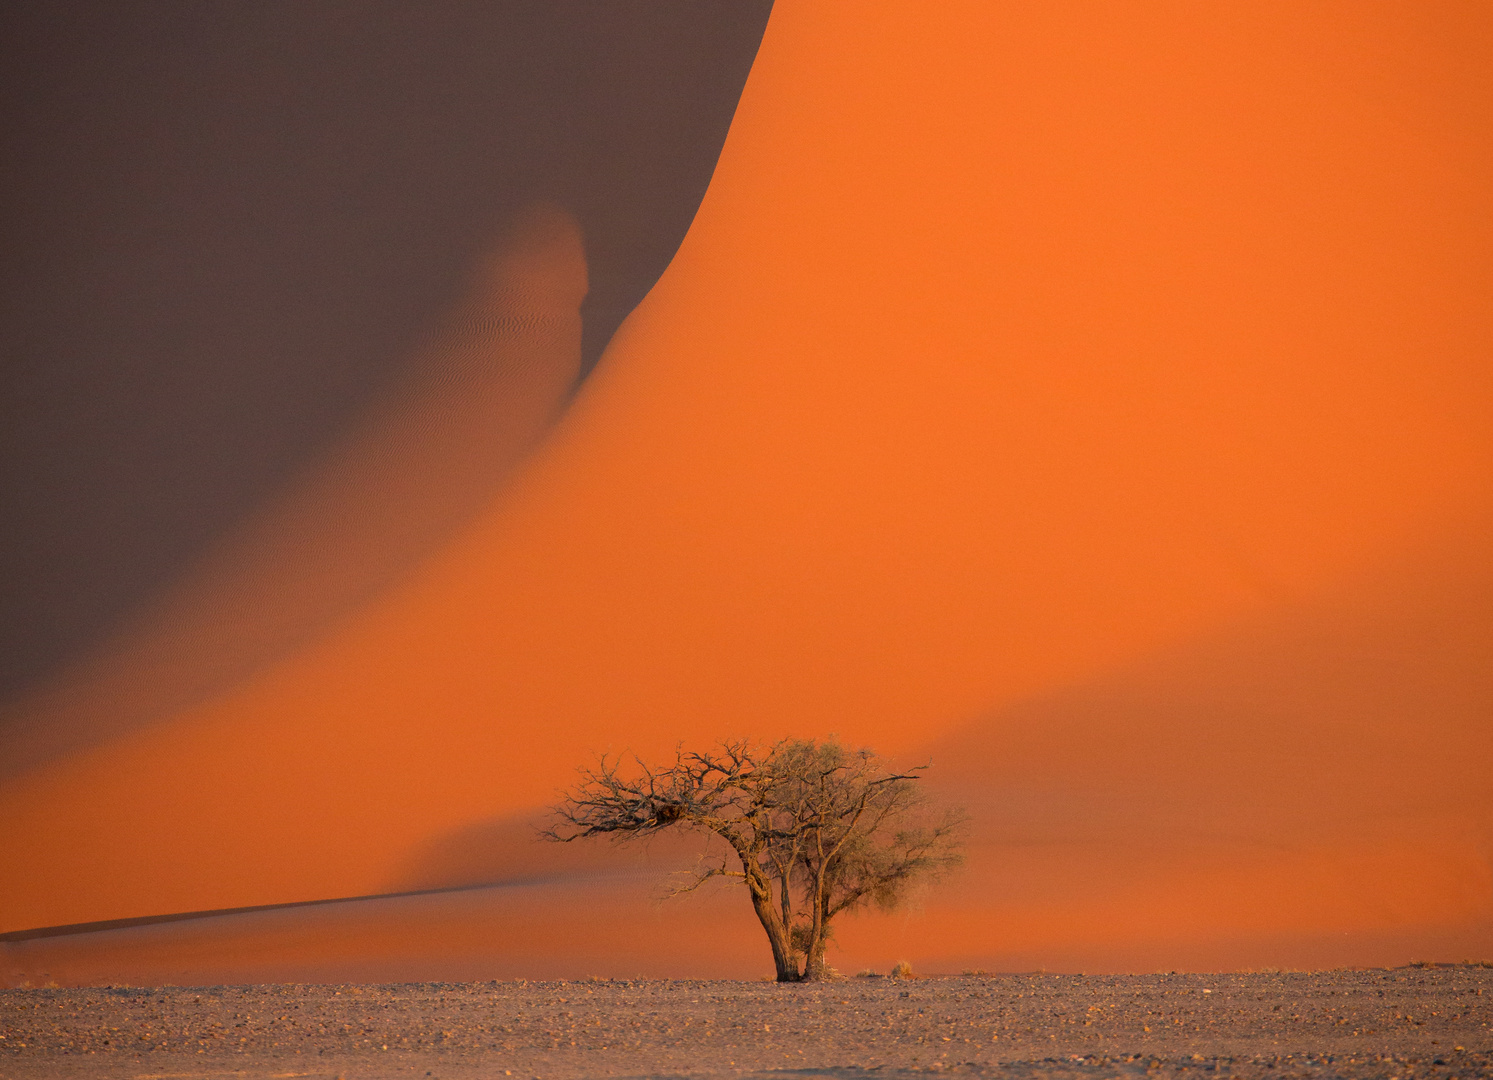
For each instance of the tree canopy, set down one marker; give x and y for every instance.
(811, 828)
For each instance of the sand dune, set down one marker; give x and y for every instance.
(1096, 401)
(230, 253)
(1317, 774)
(1309, 787)
(426, 457)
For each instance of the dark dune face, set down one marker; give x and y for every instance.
(424, 456)
(232, 235)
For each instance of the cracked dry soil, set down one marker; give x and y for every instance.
(1403, 1023)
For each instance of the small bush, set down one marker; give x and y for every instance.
(903, 970)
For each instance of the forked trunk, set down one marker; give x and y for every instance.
(814, 962)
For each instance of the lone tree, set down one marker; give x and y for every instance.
(811, 828)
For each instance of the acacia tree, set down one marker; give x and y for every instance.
(811, 829)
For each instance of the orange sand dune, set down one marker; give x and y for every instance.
(1306, 786)
(1274, 794)
(502, 932)
(1091, 394)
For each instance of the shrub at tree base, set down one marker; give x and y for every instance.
(810, 828)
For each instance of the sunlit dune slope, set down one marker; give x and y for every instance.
(1094, 398)
(1303, 788)
(502, 932)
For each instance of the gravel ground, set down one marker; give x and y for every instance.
(1415, 1022)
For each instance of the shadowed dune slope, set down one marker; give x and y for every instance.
(236, 243)
(1095, 399)
(424, 458)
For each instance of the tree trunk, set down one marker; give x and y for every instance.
(760, 888)
(815, 968)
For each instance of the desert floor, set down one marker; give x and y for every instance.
(1409, 1022)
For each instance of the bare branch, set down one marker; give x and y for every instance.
(816, 829)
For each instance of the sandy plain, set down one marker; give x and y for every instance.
(1402, 1023)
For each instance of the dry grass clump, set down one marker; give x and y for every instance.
(903, 970)
(1431, 965)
